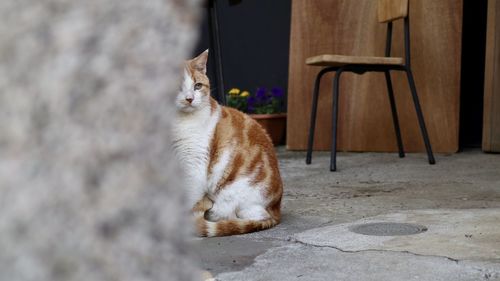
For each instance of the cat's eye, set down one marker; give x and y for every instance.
(197, 86)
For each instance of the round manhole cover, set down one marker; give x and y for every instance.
(388, 229)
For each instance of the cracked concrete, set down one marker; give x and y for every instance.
(457, 234)
(458, 199)
(303, 262)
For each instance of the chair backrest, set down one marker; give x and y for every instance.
(389, 10)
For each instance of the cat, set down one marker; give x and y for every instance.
(232, 175)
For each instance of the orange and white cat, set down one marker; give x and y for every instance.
(232, 175)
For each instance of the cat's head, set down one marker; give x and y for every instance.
(195, 90)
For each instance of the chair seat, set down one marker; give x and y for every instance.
(340, 60)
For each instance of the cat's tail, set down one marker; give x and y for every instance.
(207, 228)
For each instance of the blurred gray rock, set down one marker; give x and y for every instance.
(88, 190)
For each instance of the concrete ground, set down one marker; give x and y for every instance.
(457, 200)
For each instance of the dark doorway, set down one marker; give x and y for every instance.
(255, 37)
(472, 78)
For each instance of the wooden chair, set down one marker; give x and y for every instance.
(388, 11)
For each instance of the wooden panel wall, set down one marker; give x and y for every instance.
(491, 125)
(350, 27)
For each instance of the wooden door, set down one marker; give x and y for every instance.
(350, 27)
(491, 124)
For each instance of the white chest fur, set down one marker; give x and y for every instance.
(192, 136)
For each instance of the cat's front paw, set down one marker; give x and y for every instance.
(203, 205)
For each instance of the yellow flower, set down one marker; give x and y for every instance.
(244, 94)
(234, 91)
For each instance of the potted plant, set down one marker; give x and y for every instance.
(265, 106)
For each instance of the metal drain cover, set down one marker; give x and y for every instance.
(388, 229)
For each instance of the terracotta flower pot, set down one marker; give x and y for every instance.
(274, 124)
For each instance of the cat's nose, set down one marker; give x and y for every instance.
(190, 100)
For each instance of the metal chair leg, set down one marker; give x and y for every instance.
(335, 115)
(420, 116)
(395, 118)
(314, 110)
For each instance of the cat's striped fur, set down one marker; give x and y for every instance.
(233, 180)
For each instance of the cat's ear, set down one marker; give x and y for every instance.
(200, 62)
